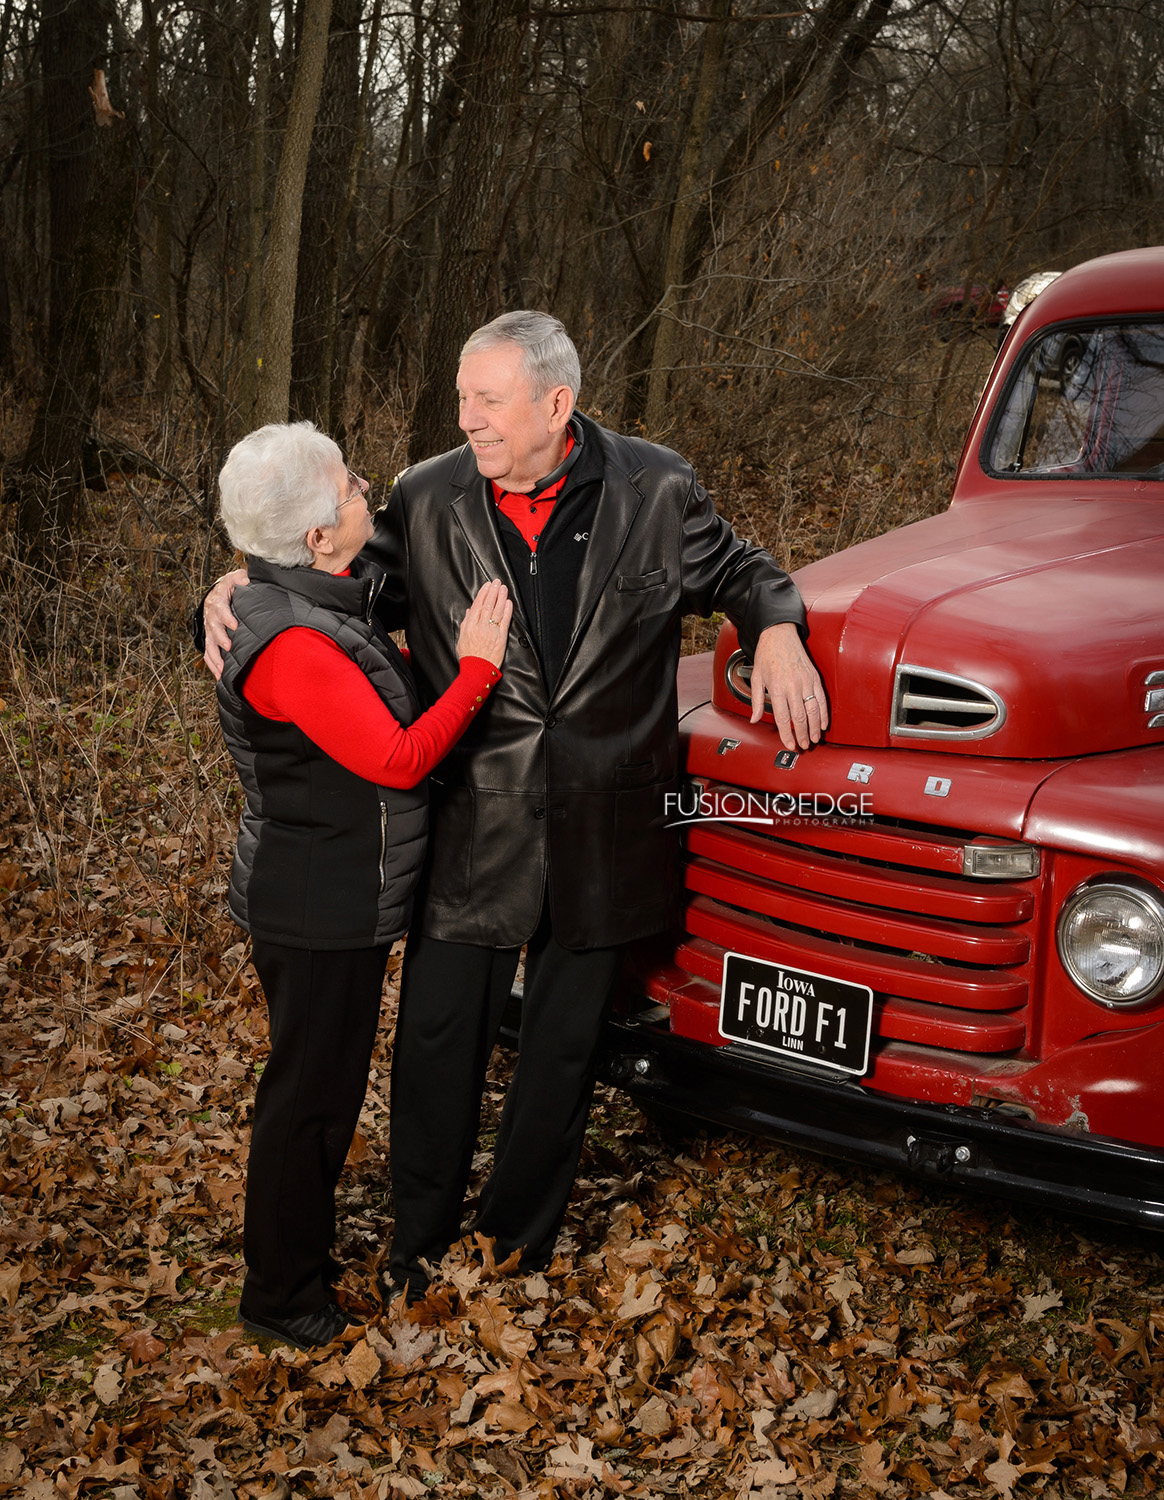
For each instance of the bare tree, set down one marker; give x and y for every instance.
(683, 217)
(325, 197)
(92, 194)
(744, 213)
(471, 214)
(286, 216)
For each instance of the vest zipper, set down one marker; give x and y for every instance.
(383, 847)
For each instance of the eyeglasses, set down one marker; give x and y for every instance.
(357, 489)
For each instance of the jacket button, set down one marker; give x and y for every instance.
(539, 812)
(523, 640)
(551, 720)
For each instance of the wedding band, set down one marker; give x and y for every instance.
(811, 698)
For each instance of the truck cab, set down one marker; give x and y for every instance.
(935, 941)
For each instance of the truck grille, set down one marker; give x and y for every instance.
(876, 903)
(936, 705)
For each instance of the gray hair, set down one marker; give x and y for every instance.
(276, 484)
(549, 357)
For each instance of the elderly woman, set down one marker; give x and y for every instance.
(320, 714)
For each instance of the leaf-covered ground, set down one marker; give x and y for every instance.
(733, 1321)
(722, 1319)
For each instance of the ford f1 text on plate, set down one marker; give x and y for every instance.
(996, 682)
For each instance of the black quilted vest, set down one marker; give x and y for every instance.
(324, 859)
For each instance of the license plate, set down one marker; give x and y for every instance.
(801, 1015)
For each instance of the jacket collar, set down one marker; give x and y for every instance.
(618, 504)
(475, 513)
(354, 595)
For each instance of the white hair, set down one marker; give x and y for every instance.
(549, 357)
(276, 484)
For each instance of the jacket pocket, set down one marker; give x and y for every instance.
(638, 584)
(453, 818)
(642, 774)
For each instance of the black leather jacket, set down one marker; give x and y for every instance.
(565, 787)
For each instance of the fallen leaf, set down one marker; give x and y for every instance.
(767, 1471)
(143, 1346)
(653, 1418)
(107, 1384)
(11, 1463)
(874, 1471)
(404, 1486)
(408, 1344)
(320, 1445)
(815, 1405)
(1010, 1387)
(761, 1421)
(510, 1416)
(362, 1365)
(638, 1299)
(497, 1331)
(918, 1255)
(1003, 1475)
(10, 1282)
(1037, 1303)
(568, 1462)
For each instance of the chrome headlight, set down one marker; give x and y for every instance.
(1111, 940)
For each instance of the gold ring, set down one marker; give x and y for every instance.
(492, 621)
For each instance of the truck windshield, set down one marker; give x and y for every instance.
(1085, 401)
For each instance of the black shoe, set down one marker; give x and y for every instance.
(412, 1291)
(302, 1331)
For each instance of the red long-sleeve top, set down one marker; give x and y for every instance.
(304, 678)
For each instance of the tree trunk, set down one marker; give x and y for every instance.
(600, 117)
(324, 201)
(412, 219)
(471, 214)
(341, 335)
(7, 363)
(815, 49)
(286, 217)
(51, 480)
(256, 216)
(161, 176)
(682, 218)
(74, 38)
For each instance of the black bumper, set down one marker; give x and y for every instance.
(958, 1147)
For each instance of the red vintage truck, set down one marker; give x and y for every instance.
(935, 942)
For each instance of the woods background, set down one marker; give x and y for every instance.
(743, 212)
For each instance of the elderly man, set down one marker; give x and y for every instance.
(547, 817)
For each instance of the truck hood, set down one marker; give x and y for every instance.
(1048, 612)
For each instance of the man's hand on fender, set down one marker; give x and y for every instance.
(783, 670)
(218, 619)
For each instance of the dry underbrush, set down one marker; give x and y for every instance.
(722, 1319)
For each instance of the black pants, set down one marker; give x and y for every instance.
(323, 1009)
(451, 1003)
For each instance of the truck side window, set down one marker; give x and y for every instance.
(1086, 401)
